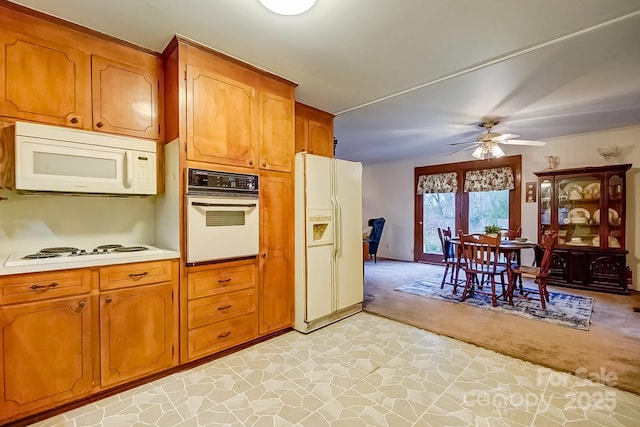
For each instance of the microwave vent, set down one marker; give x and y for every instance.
(224, 218)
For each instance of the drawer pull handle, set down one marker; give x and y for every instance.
(224, 307)
(99, 124)
(108, 300)
(74, 120)
(82, 304)
(225, 280)
(49, 286)
(138, 275)
(226, 334)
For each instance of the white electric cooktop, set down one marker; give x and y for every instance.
(64, 257)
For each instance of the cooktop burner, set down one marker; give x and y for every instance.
(41, 255)
(65, 254)
(58, 250)
(130, 249)
(102, 247)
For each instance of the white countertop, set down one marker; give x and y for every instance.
(88, 261)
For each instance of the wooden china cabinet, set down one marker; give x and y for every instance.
(587, 207)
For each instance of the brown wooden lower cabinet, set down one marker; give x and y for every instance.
(275, 290)
(221, 308)
(136, 332)
(591, 269)
(68, 334)
(222, 335)
(46, 354)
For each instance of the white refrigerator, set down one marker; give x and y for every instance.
(329, 283)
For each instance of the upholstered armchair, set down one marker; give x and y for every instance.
(374, 237)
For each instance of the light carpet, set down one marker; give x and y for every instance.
(572, 311)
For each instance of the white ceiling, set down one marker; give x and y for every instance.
(407, 77)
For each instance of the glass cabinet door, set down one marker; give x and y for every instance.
(579, 211)
(613, 222)
(545, 208)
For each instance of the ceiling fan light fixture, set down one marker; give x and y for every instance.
(288, 7)
(496, 151)
(479, 153)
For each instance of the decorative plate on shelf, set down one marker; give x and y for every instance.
(579, 216)
(613, 242)
(614, 218)
(574, 191)
(591, 191)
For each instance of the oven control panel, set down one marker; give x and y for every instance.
(203, 181)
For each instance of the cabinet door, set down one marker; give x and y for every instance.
(302, 134)
(222, 119)
(45, 357)
(608, 271)
(277, 138)
(42, 81)
(320, 139)
(125, 98)
(136, 332)
(276, 247)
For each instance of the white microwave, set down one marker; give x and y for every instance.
(57, 159)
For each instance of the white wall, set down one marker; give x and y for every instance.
(388, 187)
(31, 222)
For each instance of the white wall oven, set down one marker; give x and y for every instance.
(222, 215)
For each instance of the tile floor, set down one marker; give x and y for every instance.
(363, 371)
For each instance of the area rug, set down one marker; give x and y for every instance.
(572, 311)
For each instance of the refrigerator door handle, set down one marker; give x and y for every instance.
(337, 226)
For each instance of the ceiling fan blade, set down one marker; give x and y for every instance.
(504, 137)
(468, 142)
(523, 142)
(461, 149)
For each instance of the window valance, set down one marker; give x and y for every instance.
(489, 180)
(438, 183)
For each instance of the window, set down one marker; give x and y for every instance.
(439, 211)
(443, 201)
(488, 208)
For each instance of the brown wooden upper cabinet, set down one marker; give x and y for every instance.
(314, 131)
(236, 115)
(222, 118)
(276, 122)
(53, 83)
(125, 98)
(43, 81)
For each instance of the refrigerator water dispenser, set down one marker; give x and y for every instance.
(320, 229)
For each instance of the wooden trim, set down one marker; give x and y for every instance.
(184, 40)
(587, 169)
(70, 25)
(308, 110)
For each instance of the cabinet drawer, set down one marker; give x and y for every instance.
(221, 335)
(205, 311)
(37, 286)
(220, 280)
(142, 273)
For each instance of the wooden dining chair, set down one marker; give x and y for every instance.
(449, 259)
(480, 254)
(508, 234)
(540, 273)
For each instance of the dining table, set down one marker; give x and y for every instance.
(512, 252)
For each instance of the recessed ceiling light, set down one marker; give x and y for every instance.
(288, 7)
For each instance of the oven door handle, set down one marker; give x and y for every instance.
(222, 205)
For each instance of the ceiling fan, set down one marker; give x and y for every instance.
(488, 144)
